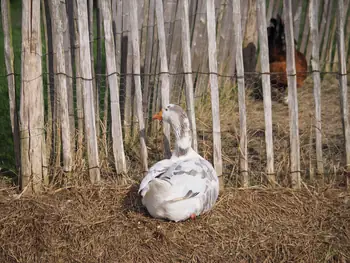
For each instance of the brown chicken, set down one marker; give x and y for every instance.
(277, 56)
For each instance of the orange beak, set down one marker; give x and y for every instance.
(158, 116)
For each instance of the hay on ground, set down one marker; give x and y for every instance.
(109, 224)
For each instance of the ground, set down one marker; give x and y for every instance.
(109, 224)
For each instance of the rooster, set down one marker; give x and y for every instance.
(277, 57)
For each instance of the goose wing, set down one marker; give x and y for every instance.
(190, 178)
(156, 170)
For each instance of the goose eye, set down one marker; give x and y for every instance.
(166, 109)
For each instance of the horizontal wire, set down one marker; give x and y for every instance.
(173, 74)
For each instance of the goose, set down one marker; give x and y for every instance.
(185, 185)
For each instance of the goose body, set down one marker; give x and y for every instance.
(184, 186)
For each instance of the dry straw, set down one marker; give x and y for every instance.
(109, 224)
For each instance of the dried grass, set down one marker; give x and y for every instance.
(109, 224)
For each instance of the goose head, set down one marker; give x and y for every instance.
(177, 118)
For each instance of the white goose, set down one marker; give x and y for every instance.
(184, 186)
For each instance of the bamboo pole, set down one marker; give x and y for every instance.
(32, 101)
(237, 30)
(266, 84)
(117, 135)
(137, 79)
(87, 82)
(344, 107)
(9, 60)
(164, 77)
(213, 68)
(292, 97)
(315, 62)
(187, 67)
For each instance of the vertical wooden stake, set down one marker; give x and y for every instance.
(292, 97)
(164, 76)
(137, 79)
(148, 62)
(213, 68)
(241, 93)
(88, 99)
(32, 101)
(187, 67)
(117, 135)
(266, 84)
(343, 88)
(90, 6)
(57, 25)
(315, 62)
(78, 87)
